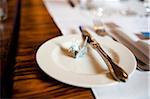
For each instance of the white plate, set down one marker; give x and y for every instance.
(88, 71)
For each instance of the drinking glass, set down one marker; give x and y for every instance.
(147, 8)
(97, 20)
(3, 10)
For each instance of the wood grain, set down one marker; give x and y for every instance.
(29, 81)
(8, 43)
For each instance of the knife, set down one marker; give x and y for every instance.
(116, 71)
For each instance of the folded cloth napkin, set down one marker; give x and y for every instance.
(137, 87)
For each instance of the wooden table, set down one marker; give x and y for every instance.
(8, 45)
(29, 81)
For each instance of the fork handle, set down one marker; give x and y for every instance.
(106, 59)
(113, 67)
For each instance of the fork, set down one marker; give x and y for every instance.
(117, 72)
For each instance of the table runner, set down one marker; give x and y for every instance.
(68, 20)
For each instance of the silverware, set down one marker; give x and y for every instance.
(117, 72)
(141, 66)
(142, 60)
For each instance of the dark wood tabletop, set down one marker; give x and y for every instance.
(29, 81)
(8, 45)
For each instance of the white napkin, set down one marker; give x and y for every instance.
(68, 20)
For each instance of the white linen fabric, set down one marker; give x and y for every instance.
(137, 87)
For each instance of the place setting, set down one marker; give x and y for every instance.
(83, 66)
(75, 49)
(97, 55)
